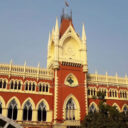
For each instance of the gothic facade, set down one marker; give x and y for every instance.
(63, 94)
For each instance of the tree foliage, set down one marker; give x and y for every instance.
(107, 117)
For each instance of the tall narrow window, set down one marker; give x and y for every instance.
(46, 88)
(120, 94)
(33, 87)
(27, 111)
(26, 86)
(0, 83)
(29, 86)
(43, 88)
(12, 110)
(70, 110)
(0, 108)
(88, 91)
(110, 93)
(12, 85)
(42, 113)
(19, 85)
(40, 87)
(15, 85)
(115, 94)
(4, 84)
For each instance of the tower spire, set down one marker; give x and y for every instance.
(83, 34)
(57, 27)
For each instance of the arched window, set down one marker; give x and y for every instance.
(27, 111)
(12, 110)
(42, 113)
(0, 108)
(92, 108)
(70, 110)
(125, 109)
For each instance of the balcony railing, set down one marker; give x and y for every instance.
(25, 71)
(107, 80)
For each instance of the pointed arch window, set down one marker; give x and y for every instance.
(12, 110)
(42, 113)
(70, 110)
(0, 108)
(27, 111)
(92, 108)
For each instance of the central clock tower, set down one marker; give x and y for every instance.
(67, 56)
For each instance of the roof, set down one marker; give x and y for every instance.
(65, 23)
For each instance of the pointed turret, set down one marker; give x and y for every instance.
(84, 45)
(83, 34)
(57, 27)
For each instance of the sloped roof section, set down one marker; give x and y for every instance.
(66, 21)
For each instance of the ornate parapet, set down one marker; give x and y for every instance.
(107, 80)
(26, 71)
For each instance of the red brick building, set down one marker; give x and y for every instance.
(63, 94)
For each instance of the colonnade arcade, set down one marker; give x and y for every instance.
(27, 111)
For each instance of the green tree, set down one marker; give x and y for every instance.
(107, 117)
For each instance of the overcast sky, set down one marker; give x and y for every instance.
(25, 25)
